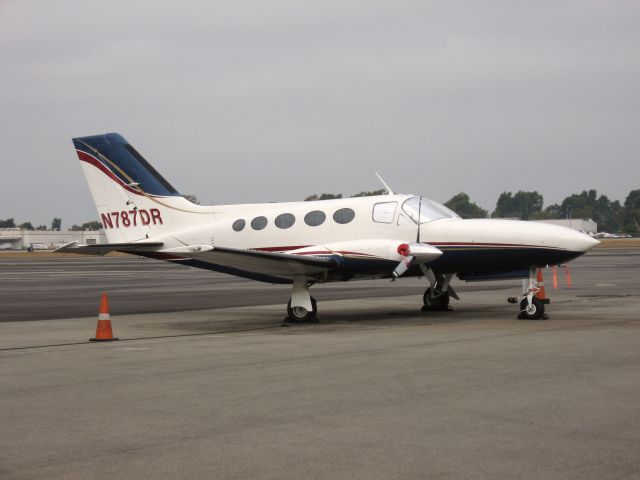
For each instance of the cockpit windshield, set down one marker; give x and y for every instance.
(428, 210)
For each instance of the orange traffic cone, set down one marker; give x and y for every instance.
(541, 294)
(555, 276)
(103, 331)
(567, 275)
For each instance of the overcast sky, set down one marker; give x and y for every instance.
(275, 100)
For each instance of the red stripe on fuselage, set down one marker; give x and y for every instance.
(279, 249)
(441, 244)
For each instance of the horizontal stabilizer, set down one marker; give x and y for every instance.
(104, 248)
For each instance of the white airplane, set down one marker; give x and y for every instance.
(304, 243)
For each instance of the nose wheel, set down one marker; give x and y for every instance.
(533, 310)
(533, 298)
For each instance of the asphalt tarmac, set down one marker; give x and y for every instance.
(70, 287)
(207, 383)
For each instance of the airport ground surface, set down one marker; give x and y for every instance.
(206, 383)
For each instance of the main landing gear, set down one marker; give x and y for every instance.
(437, 296)
(302, 307)
(435, 300)
(301, 314)
(531, 305)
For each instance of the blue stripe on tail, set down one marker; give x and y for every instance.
(125, 162)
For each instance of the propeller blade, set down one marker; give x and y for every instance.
(420, 252)
(403, 266)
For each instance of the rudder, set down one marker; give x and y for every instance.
(133, 200)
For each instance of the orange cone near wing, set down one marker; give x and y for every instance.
(541, 294)
(104, 333)
(555, 276)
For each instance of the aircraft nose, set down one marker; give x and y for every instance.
(578, 242)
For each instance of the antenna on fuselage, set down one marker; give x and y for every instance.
(419, 218)
(389, 191)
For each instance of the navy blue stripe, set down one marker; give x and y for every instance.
(491, 260)
(464, 263)
(121, 154)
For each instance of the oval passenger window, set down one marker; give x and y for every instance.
(285, 220)
(344, 215)
(239, 224)
(315, 218)
(259, 223)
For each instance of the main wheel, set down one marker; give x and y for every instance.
(301, 314)
(438, 302)
(535, 311)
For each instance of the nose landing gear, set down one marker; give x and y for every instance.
(532, 309)
(533, 298)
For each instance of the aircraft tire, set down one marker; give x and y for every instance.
(302, 315)
(535, 312)
(440, 302)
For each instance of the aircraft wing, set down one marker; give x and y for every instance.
(276, 267)
(273, 264)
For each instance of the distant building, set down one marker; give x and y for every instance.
(17, 239)
(585, 225)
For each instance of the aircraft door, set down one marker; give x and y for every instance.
(384, 212)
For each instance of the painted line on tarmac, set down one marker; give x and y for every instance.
(222, 332)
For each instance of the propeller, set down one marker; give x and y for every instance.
(415, 252)
(422, 252)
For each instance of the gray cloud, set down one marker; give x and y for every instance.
(260, 101)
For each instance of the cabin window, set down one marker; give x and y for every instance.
(344, 215)
(239, 225)
(384, 212)
(315, 218)
(259, 223)
(426, 209)
(285, 220)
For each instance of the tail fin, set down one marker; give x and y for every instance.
(133, 200)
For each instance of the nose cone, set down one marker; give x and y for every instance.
(578, 242)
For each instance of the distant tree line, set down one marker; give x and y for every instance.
(56, 225)
(332, 196)
(611, 216)
(93, 225)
